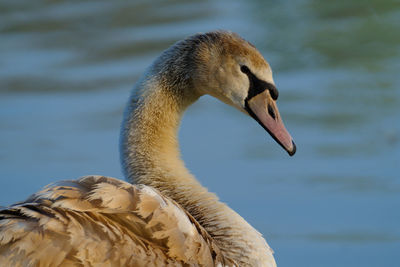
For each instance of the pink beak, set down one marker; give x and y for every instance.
(266, 113)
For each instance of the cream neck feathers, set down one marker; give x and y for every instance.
(150, 152)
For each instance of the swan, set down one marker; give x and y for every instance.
(164, 216)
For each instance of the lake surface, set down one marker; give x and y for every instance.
(67, 67)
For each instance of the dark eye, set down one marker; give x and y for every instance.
(245, 69)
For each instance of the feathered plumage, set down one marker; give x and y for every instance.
(165, 217)
(103, 221)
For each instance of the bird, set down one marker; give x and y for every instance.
(160, 216)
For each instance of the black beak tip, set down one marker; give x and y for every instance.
(293, 151)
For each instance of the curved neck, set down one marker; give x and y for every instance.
(150, 155)
(149, 147)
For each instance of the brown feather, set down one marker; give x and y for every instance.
(119, 224)
(166, 218)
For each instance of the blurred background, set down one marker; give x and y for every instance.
(67, 68)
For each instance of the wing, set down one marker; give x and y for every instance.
(103, 221)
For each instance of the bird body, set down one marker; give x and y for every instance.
(102, 221)
(164, 217)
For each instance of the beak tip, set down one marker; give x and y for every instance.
(293, 150)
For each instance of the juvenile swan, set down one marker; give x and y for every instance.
(165, 217)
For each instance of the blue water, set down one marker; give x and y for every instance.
(67, 67)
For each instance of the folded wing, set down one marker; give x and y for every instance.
(100, 220)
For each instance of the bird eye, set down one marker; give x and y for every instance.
(245, 69)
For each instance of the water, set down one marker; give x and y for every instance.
(67, 67)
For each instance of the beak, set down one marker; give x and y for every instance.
(265, 111)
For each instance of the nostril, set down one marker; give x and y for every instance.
(271, 112)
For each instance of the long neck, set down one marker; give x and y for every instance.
(150, 156)
(150, 150)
